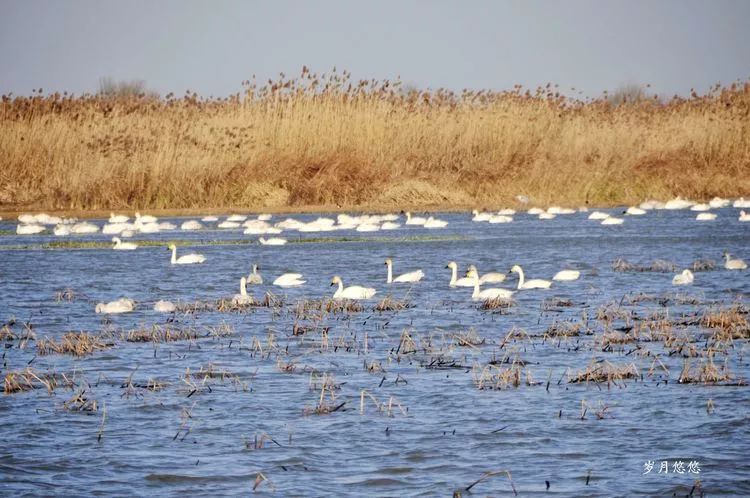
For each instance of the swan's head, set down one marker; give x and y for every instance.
(243, 282)
(171, 247)
(388, 261)
(256, 268)
(408, 215)
(475, 212)
(472, 268)
(336, 280)
(116, 240)
(452, 265)
(99, 308)
(137, 214)
(472, 274)
(515, 269)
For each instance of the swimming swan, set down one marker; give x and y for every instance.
(29, 229)
(416, 220)
(435, 223)
(524, 284)
(684, 278)
(191, 225)
(567, 275)
(598, 215)
(289, 280)
(611, 220)
(477, 216)
(483, 295)
(122, 305)
(145, 218)
(118, 218)
(165, 307)
(412, 276)
(744, 216)
(635, 211)
(254, 278)
(123, 246)
(733, 264)
(273, 241)
(187, 259)
(706, 217)
(458, 282)
(351, 292)
(242, 297)
(488, 278)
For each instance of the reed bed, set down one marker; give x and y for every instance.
(604, 372)
(30, 379)
(158, 334)
(75, 344)
(331, 140)
(389, 303)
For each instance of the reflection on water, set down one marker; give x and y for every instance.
(244, 415)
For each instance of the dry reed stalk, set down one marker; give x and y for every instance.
(605, 372)
(28, 379)
(429, 147)
(75, 343)
(389, 303)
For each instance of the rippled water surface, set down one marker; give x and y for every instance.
(425, 427)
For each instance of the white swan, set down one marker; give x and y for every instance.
(488, 278)
(567, 275)
(700, 207)
(598, 215)
(506, 212)
(187, 259)
(351, 292)
(741, 203)
(612, 221)
(483, 295)
(191, 225)
(118, 218)
(368, 227)
(677, 203)
(123, 246)
(147, 218)
(744, 216)
(122, 305)
(547, 216)
(733, 264)
(147, 227)
(500, 218)
(389, 225)
(61, 230)
(535, 211)
(115, 228)
(412, 276)
(414, 220)
(635, 211)
(229, 224)
(652, 204)
(255, 278)
(273, 241)
(706, 217)
(29, 229)
(264, 217)
(242, 297)
(210, 218)
(477, 216)
(458, 282)
(237, 217)
(84, 227)
(718, 202)
(524, 284)
(684, 278)
(435, 223)
(165, 307)
(289, 280)
(560, 210)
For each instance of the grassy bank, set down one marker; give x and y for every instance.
(329, 141)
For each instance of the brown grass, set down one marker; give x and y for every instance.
(75, 343)
(333, 141)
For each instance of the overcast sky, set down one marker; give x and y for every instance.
(212, 46)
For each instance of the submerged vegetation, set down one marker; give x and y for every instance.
(330, 140)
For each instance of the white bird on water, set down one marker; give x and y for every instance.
(567, 275)
(187, 259)
(165, 307)
(458, 282)
(684, 278)
(524, 284)
(289, 280)
(118, 218)
(255, 278)
(414, 220)
(488, 278)
(351, 292)
(242, 297)
(123, 246)
(733, 264)
(122, 305)
(412, 276)
(273, 241)
(483, 295)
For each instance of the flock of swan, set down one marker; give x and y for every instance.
(123, 227)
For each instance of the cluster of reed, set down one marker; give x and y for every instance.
(329, 140)
(75, 343)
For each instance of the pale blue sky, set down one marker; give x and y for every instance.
(211, 47)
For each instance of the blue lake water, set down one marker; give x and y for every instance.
(441, 432)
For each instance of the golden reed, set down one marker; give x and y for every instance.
(329, 141)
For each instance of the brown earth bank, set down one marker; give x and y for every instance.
(329, 143)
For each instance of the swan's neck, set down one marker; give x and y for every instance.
(520, 278)
(390, 274)
(453, 275)
(243, 291)
(341, 289)
(408, 216)
(476, 287)
(174, 255)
